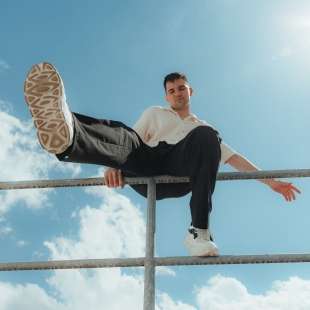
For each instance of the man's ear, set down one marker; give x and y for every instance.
(191, 91)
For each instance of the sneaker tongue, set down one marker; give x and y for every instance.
(203, 233)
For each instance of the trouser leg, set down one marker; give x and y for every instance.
(163, 190)
(105, 142)
(197, 156)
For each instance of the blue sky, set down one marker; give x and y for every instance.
(249, 67)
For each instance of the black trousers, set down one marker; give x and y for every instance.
(113, 144)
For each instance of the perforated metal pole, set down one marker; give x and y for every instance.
(149, 264)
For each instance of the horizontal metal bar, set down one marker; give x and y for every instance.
(159, 261)
(233, 259)
(222, 176)
(73, 264)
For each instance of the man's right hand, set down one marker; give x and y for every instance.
(113, 178)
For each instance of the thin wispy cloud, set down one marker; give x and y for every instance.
(284, 52)
(294, 28)
(5, 230)
(4, 65)
(299, 21)
(21, 243)
(6, 106)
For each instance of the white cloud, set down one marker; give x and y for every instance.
(284, 52)
(3, 65)
(21, 158)
(114, 229)
(5, 230)
(298, 22)
(87, 289)
(109, 288)
(294, 29)
(165, 271)
(165, 302)
(26, 297)
(21, 243)
(6, 106)
(225, 293)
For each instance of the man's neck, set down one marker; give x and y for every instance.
(182, 113)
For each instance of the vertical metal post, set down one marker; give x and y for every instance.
(149, 265)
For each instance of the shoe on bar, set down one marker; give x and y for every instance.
(45, 95)
(199, 242)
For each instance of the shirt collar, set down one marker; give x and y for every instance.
(191, 116)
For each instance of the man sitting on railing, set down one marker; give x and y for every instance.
(164, 141)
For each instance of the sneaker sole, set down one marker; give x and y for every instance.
(196, 252)
(43, 92)
(213, 254)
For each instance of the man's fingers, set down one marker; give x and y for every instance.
(106, 179)
(109, 179)
(290, 196)
(296, 189)
(292, 187)
(120, 178)
(285, 196)
(116, 178)
(113, 178)
(289, 193)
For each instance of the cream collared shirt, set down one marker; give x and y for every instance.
(164, 124)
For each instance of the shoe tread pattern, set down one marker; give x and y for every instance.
(43, 91)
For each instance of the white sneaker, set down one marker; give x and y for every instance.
(45, 95)
(199, 242)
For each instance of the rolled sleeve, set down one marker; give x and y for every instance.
(227, 151)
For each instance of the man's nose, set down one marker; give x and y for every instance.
(177, 93)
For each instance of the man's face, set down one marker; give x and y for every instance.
(178, 94)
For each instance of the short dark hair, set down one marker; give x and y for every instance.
(171, 77)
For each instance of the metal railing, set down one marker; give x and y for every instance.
(149, 261)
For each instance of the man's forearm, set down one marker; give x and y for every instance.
(243, 165)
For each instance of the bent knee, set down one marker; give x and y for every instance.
(206, 133)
